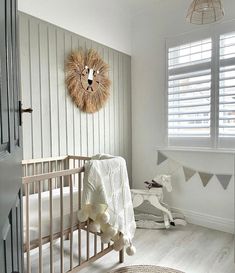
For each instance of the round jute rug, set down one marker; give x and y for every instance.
(145, 269)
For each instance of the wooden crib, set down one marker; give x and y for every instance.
(54, 240)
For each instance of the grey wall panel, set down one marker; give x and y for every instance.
(53, 92)
(57, 126)
(26, 82)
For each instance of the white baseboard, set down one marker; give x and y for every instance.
(209, 221)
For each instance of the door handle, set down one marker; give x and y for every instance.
(26, 110)
(23, 110)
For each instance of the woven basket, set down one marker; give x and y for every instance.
(145, 269)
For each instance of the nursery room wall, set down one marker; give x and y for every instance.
(56, 126)
(91, 19)
(211, 206)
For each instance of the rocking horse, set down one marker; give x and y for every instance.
(154, 195)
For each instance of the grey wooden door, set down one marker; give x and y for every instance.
(10, 142)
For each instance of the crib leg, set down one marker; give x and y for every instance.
(121, 256)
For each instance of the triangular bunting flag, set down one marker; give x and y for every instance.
(224, 179)
(205, 177)
(188, 173)
(161, 158)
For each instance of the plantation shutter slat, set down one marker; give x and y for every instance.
(227, 86)
(189, 90)
(185, 113)
(189, 98)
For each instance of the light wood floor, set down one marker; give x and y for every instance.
(191, 249)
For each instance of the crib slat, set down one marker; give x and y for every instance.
(79, 224)
(56, 169)
(66, 167)
(51, 227)
(88, 240)
(40, 227)
(95, 244)
(71, 221)
(34, 172)
(24, 170)
(79, 244)
(74, 176)
(80, 190)
(27, 229)
(61, 227)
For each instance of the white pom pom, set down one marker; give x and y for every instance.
(130, 250)
(124, 240)
(94, 227)
(103, 218)
(118, 245)
(82, 216)
(105, 238)
(111, 231)
(115, 238)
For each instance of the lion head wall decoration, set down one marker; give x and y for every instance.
(87, 80)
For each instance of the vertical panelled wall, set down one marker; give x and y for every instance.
(57, 126)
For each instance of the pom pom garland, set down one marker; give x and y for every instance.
(103, 218)
(118, 245)
(124, 240)
(94, 227)
(82, 215)
(110, 231)
(101, 223)
(130, 250)
(105, 238)
(120, 242)
(115, 238)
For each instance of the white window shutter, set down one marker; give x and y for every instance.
(227, 87)
(189, 90)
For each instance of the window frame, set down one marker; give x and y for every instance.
(214, 141)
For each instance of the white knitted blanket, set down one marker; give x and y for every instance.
(107, 199)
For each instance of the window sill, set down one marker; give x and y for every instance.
(197, 149)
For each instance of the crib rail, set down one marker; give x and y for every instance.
(53, 237)
(33, 167)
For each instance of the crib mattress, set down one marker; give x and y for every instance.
(45, 212)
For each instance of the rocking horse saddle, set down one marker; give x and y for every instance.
(153, 184)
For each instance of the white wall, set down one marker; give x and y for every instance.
(106, 22)
(210, 206)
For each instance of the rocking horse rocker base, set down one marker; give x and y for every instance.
(150, 221)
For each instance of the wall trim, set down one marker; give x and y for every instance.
(206, 220)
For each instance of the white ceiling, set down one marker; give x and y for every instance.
(105, 21)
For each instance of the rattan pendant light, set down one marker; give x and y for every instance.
(205, 12)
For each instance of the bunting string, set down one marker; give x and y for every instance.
(173, 166)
